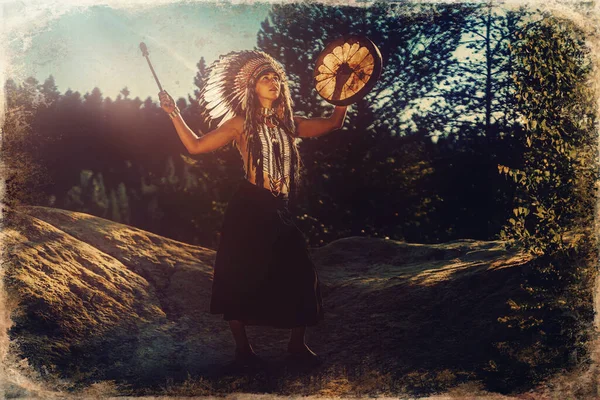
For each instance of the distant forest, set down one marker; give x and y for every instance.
(464, 129)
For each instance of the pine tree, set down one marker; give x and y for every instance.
(348, 170)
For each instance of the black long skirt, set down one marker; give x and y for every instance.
(263, 272)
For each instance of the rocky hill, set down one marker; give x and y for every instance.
(102, 300)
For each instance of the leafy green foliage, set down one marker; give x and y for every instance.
(555, 196)
(558, 168)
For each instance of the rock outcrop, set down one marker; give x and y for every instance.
(98, 299)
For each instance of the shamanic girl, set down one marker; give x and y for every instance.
(263, 273)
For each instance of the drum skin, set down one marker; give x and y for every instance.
(347, 69)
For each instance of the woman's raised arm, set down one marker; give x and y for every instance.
(213, 140)
(313, 127)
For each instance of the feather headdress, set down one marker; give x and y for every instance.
(229, 91)
(230, 82)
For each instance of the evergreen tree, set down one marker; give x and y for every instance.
(417, 43)
(484, 90)
(483, 131)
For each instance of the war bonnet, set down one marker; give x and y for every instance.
(230, 82)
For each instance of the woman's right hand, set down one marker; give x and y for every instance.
(166, 102)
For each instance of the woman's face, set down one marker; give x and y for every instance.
(268, 87)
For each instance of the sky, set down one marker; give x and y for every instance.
(96, 45)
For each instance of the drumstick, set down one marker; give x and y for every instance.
(145, 54)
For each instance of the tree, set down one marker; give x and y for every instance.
(416, 43)
(555, 105)
(23, 176)
(125, 92)
(482, 130)
(199, 78)
(555, 181)
(484, 88)
(50, 91)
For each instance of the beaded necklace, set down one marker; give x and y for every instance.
(277, 153)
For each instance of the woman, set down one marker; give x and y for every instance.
(263, 273)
